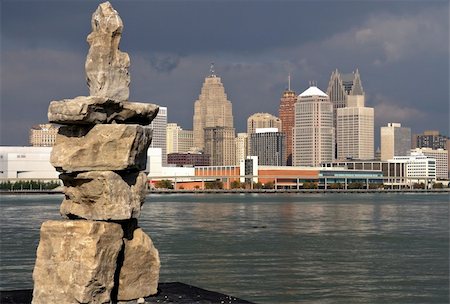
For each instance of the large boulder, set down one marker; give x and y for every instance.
(76, 262)
(100, 110)
(139, 273)
(106, 66)
(103, 195)
(101, 148)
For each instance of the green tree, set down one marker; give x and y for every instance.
(164, 184)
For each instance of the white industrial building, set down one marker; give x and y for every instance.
(419, 168)
(26, 162)
(441, 157)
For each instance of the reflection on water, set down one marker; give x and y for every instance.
(283, 248)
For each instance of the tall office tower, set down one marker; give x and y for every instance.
(395, 141)
(159, 126)
(268, 144)
(339, 88)
(313, 130)
(241, 143)
(286, 113)
(355, 133)
(211, 109)
(43, 135)
(178, 140)
(430, 139)
(220, 146)
(262, 120)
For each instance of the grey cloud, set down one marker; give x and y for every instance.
(164, 63)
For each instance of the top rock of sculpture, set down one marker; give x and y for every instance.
(106, 66)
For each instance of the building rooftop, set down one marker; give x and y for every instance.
(313, 91)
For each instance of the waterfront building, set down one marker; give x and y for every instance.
(178, 140)
(286, 113)
(220, 145)
(262, 120)
(313, 131)
(355, 130)
(26, 163)
(188, 159)
(419, 168)
(159, 126)
(269, 146)
(441, 157)
(211, 109)
(241, 145)
(395, 141)
(430, 139)
(43, 135)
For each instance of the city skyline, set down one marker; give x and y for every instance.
(254, 47)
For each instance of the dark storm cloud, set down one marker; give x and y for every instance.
(400, 48)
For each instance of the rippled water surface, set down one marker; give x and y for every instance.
(274, 248)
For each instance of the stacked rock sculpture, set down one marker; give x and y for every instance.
(98, 254)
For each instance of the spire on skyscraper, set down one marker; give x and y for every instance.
(211, 70)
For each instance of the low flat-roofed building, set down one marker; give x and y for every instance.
(188, 159)
(441, 157)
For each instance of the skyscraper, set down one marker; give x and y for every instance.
(43, 135)
(313, 130)
(159, 126)
(286, 113)
(430, 139)
(262, 120)
(241, 144)
(339, 88)
(220, 146)
(355, 133)
(395, 141)
(268, 144)
(211, 109)
(178, 140)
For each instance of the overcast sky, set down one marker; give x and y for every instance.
(401, 49)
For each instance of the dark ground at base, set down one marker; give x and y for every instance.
(174, 292)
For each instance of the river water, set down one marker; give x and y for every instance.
(273, 248)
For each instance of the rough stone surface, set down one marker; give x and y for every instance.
(76, 262)
(106, 66)
(139, 274)
(101, 148)
(100, 110)
(103, 195)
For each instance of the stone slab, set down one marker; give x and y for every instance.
(106, 66)
(103, 195)
(139, 274)
(101, 148)
(100, 110)
(76, 262)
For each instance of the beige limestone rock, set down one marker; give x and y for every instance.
(100, 110)
(101, 148)
(106, 66)
(76, 262)
(103, 195)
(139, 274)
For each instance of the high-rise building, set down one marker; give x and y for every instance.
(159, 126)
(43, 135)
(286, 113)
(313, 130)
(211, 109)
(220, 146)
(441, 157)
(178, 140)
(268, 144)
(430, 139)
(262, 120)
(241, 143)
(355, 133)
(339, 88)
(395, 141)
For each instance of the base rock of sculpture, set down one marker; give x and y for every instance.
(100, 110)
(101, 148)
(76, 262)
(103, 195)
(139, 274)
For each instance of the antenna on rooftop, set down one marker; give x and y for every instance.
(289, 82)
(211, 69)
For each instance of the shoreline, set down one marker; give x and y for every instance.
(251, 191)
